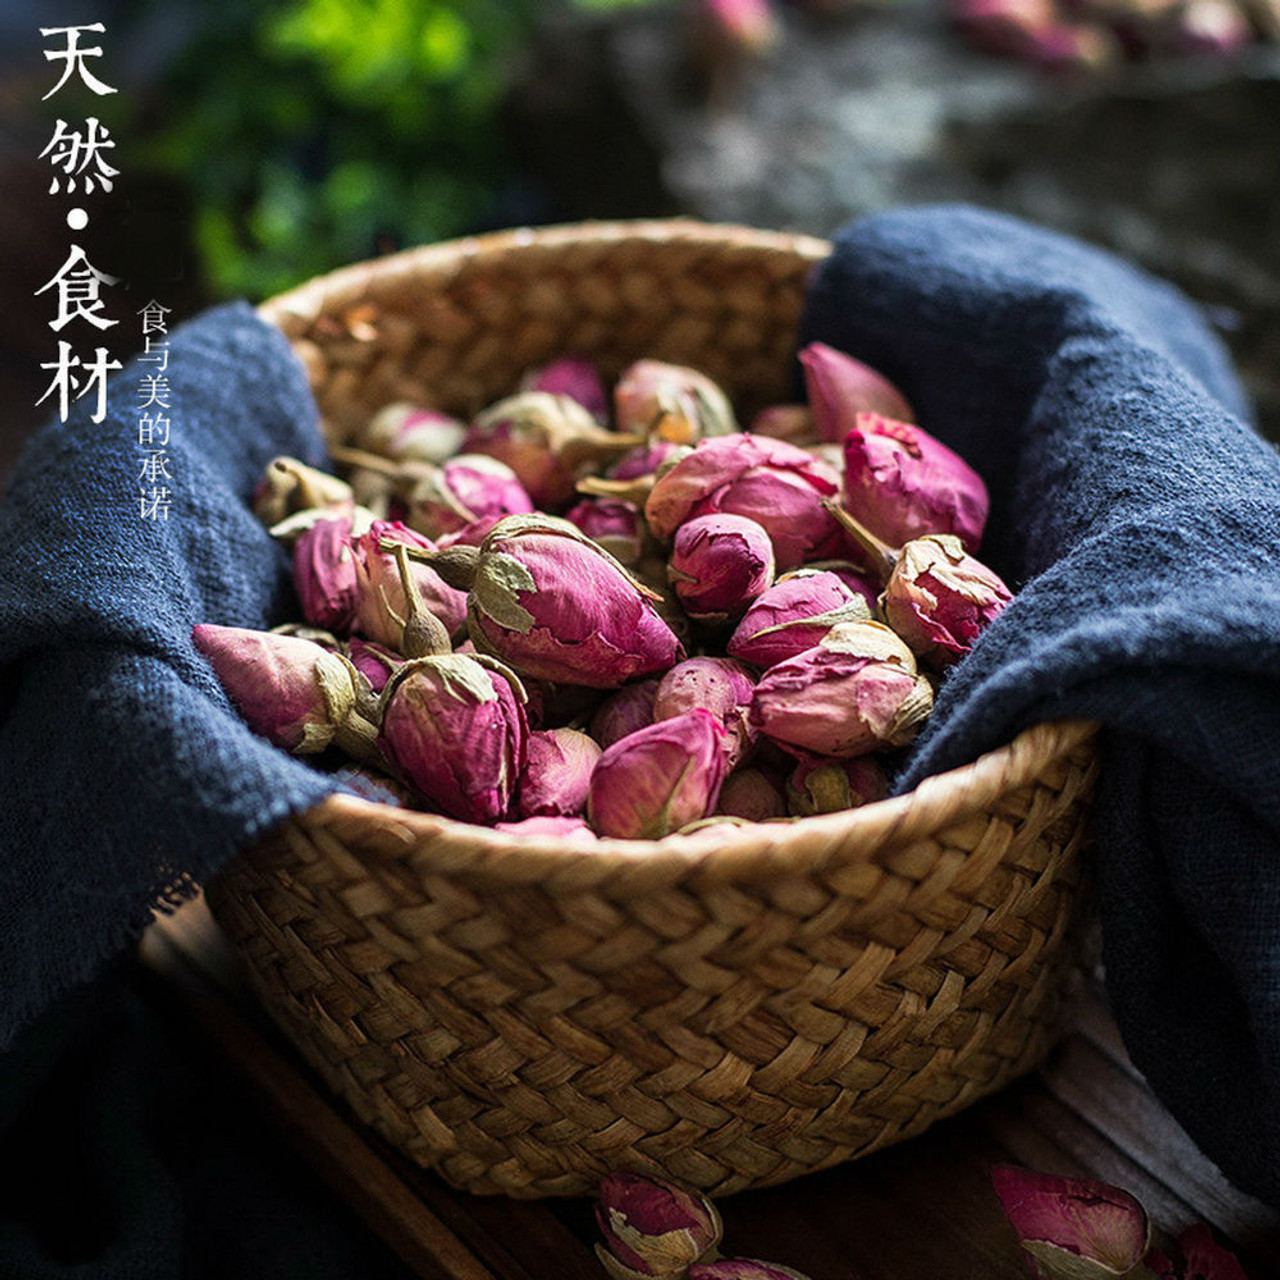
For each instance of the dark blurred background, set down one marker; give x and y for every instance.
(261, 142)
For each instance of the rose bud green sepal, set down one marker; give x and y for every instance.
(939, 598)
(404, 432)
(652, 1227)
(612, 524)
(325, 576)
(551, 603)
(575, 377)
(818, 784)
(721, 686)
(557, 773)
(660, 778)
(854, 692)
(840, 387)
(778, 485)
(293, 692)
(454, 728)
(793, 615)
(1073, 1228)
(289, 486)
(901, 483)
(752, 794)
(743, 1269)
(383, 607)
(548, 441)
(624, 712)
(719, 564)
(671, 402)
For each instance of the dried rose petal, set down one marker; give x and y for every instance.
(653, 1227)
(719, 564)
(574, 830)
(612, 524)
(901, 483)
(793, 615)
(1205, 1258)
(624, 712)
(670, 402)
(841, 387)
(557, 774)
(575, 377)
(324, 574)
(821, 785)
(721, 686)
(659, 778)
(375, 662)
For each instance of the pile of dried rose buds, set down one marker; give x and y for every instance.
(549, 621)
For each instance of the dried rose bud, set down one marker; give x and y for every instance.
(548, 441)
(670, 402)
(1007, 27)
(719, 564)
(555, 606)
(375, 662)
(790, 422)
(1204, 1259)
(624, 712)
(454, 728)
(1069, 47)
(575, 377)
(383, 607)
(462, 492)
(614, 525)
(775, 484)
(470, 535)
(574, 830)
(292, 692)
(857, 579)
(659, 778)
(939, 598)
(901, 483)
(793, 615)
(325, 576)
(721, 686)
(855, 692)
(652, 1227)
(404, 432)
(821, 785)
(743, 1269)
(748, 27)
(288, 486)
(753, 795)
(841, 387)
(1209, 26)
(646, 460)
(1073, 1226)
(557, 774)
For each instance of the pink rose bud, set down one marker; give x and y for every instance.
(938, 599)
(645, 460)
(775, 484)
(454, 728)
(383, 608)
(793, 615)
(612, 524)
(464, 491)
(721, 686)
(1006, 27)
(753, 795)
(574, 830)
(325, 575)
(750, 26)
(659, 778)
(293, 692)
(841, 387)
(820, 785)
(670, 402)
(1072, 1226)
(557, 774)
(548, 441)
(555, 606)
(901, 483)
(743, 1269)
(575, 377)
(1210, 26)
(406, 433)
(719, 564)
(855, 692)
(470, 535)
(858, 580)
(652, 1227)
(375, 662)
(288, 486)
(624, 712)
(790, 422)
(1204, 1259)
(1069, 47)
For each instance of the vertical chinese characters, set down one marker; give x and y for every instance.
(154, 496)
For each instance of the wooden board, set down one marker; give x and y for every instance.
(923, 1210)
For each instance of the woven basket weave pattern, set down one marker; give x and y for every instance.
(732, 1008)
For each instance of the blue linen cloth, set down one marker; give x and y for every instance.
(1134, 508)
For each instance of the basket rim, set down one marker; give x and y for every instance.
(801, 844)
(349, 285)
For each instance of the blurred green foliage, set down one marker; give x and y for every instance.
(318, 132)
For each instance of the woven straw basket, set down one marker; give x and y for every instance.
(731, 1008)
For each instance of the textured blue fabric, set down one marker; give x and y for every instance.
(124, 767)
(1137, 514)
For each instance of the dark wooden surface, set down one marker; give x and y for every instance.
(923, 1210)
